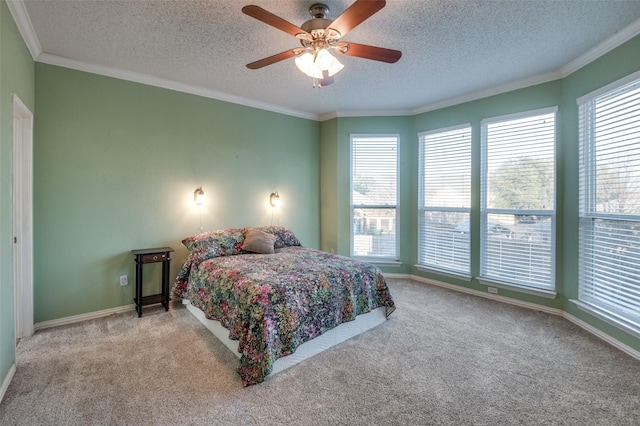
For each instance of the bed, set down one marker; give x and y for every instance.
(275, 302)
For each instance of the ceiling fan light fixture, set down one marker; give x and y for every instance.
(324, 60)
(305, 64)
(319, 35)
(335, 68)
(314, 72)
(318, 65)
(303, 61)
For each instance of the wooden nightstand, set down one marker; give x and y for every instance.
(152, 255)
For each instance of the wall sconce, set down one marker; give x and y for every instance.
(198, 196)
(274, 199)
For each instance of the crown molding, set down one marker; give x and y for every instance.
(25, 27)
(355, 113)
(150, 80)
(622, 36)
(619, 38)
(492, 91)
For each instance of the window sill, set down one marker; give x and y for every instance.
(380, 262)
(549, 294)
(444, 272)
(608, 317)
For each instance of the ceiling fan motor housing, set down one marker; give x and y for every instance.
(319, 10)
(318, 22)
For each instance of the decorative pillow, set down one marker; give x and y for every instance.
(228, 242)
(284, 237)
(223, 242)
(258, 242)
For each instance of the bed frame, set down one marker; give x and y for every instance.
(308, 349)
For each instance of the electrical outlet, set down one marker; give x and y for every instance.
(124, 280)
(492, 290)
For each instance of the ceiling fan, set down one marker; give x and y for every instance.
(320, 35)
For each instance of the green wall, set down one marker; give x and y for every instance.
(329, 208)
(116, 164)
(16, 77)
(335, 167)
(562, 93)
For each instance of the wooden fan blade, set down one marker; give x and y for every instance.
(355, 14)
(369, 52)
(275, 21)
(272, 59)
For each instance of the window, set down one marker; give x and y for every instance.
(609, 278)
(374, 196)
(445, 199)
(517, 221)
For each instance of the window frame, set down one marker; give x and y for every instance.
(423, 209)
(379, 260)
(548, 291)
(588, 213)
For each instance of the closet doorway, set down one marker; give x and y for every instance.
(22, 218)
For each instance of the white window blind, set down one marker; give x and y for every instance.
(374, 196)
(445, 199)
(609, 276)
(517, 237)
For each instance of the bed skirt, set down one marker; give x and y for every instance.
(306, 350)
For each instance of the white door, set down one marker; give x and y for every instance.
(23, 217)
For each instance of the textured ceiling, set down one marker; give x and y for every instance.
(451, 49)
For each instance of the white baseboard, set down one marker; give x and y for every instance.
(528, 305)
(83, 317)
(553, 311)
(516, 302)
(602, 335)
(7, 381)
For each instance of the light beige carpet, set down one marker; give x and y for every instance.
(443, 358)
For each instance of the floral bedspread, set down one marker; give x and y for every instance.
(272, 303)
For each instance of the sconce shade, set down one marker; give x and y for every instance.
(274, 199)
(198, 196)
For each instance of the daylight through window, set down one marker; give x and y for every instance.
(609, 278)
(445, 199)
(374, 196)
(517, 237)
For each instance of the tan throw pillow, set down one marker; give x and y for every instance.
(258, 242)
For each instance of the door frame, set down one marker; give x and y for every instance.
(22, 218)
